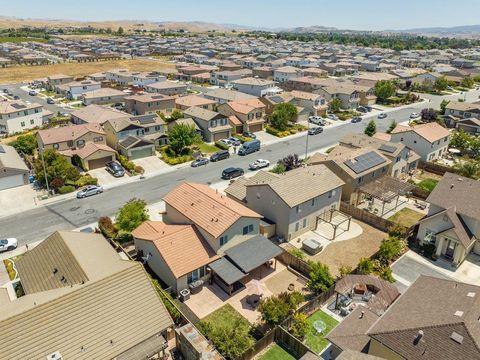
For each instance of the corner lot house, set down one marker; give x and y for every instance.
(102, 96)
(17, 116)
(316, 190)
(453, 221)
(249, 114)
(255, 86)
(462, 109)
(166, 88)
(75, 89)
(430, 141)
(214, 126)
(72, 283)
(149, 103)
(13, 171)
(87, 142)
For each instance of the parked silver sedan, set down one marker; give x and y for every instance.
(89, 191)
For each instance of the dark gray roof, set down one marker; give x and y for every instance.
(364, 162)
(356, 355)
(133, 141)
(226, 270)
(253, 252)
(458, 191)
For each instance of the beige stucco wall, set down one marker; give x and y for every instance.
(88, 137)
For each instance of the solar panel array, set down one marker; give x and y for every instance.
(387, 148)
(129, 141)
(364, 162)
(149, 119)
(277, 99)
(18, 106)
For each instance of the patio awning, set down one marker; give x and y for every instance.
(146, 349)
(251, 253)
(228, 272)
(386, 188)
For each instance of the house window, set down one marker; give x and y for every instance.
(22, 124)
(398, 158)
(430, 237)
(98, 139)
(247, 229)
(313, 202)
(297, 226)
(70, 143)
(304, 223)
(196, 274)
(158, 128)
(56, 146)
(297, 209)
(80, 143)
(32, 122)
(223, 240)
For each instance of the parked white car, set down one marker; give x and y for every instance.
(414, 115)
(259, 164)
(382, 115)
(317, 120)
(8, 244)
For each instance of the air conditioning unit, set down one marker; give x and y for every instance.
(55, 356)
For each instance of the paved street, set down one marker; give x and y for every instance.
(36, 224)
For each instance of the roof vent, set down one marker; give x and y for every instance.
(55, 356)
(457, 337)
(419, 337)
(361, 314)
(471, 294)
(452, 186)
(458, 313)
(460, 179)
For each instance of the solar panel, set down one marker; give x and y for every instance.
(277, 99)
(387, 148)
(18, 106)
(2, 150)
(129, 141)
(146, 119)
(364, 162)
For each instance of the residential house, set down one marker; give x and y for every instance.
(263, 72)
(315, 72)
(58, 79)
(403, 160)
(102, 96)
(167, 88)
(119, 76)
(87, 142)
(255, 86)
(305, 83)
(75, 89)
(146, 78)
(463, 109)
(200, 226)
(470, 126)
(186, 102)
(95, 114)
(72, 283)
(214, 125)
(18, 116)
(136, 136)
(13, 171)
(149, 103)
(349, 95)
(315, 104)
(286, 73)
(249, 114)
(318, 191)
(430, 141)
(452, 224)
(223, 96)
(222, 78)
(355, 167)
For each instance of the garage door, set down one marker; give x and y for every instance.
(98, 163)
(140, 153)
(220, 135)
(256, 128)
(11, 181)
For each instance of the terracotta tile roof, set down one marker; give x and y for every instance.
(206, 208)
(66, 133)
(181, 246)
(193, 100)
(91, 148)
(430, 131)
(382, 136)
(234, 120)
(246, 106)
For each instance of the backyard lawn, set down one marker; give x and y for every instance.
(314, 340)
(428, 184)
(276, 352)
(406, 217)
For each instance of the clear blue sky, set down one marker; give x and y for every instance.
(345, 14)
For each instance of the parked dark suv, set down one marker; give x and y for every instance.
(115, 168)
(220, 155)
(231, 172)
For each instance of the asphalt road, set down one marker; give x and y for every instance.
(38, 223)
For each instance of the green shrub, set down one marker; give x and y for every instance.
(221, 145)
(365, 266)
(299, 326)
(279, 168)
(345, 270)
(65, 189)
(320, 277)
(167, 301)
(124, 237)
(385, 273)
(177, 160)
(390, 249)
(107, 227)
(297, 253)
(85, 180)
(127, 164)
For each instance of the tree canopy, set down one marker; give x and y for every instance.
(371, 128)
(385, 89)
(282, 115)
(320, 277)
(25, 144)
(131, 215)
(181, 136)
(58, 169)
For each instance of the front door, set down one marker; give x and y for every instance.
(450, 249)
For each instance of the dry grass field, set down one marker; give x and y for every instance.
(22, 73)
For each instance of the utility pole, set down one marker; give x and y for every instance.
(306, 142)
(45, 171)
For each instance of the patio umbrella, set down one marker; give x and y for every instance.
(255, 287)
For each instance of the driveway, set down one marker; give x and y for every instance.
(411, 265)
(152, 165)
(20, 198)
(105, 178)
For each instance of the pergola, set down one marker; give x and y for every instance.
(334, 218)
(386, 189)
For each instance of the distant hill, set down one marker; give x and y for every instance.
(465, 29)
(312, 29)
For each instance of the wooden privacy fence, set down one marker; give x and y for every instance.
(434, 167)
(295, 263)
(366, 217)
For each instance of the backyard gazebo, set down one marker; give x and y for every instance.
(386, 189)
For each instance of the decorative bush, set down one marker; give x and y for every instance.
(124, 237)
(107, 228)
(127, 164)
(86, 180)
(221, 145)
(65, 189)
(139, 170)
(366, 266)
(300, 326)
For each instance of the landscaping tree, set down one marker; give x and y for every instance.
(335, 104)
(365, 266)
(291, 162)
(345, 270)
(443, 106)
(441, 84)
(384, 89)
(279, 168)
(385, 273)
(299, 326)
(468, 168)
(273, 310)
(279, 121)
(131, 215)
(467, 82)
(289, 110)
(320, 277)
(182, 135)
(120, 30)
(429, 115)
(107, 227)
(371, 128)
(57, 167)
(25, 144)
(392, 126)
(390, 248)
(176, 114)
(292, 299)
(461, 140)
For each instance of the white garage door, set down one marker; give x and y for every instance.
(11, 181)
